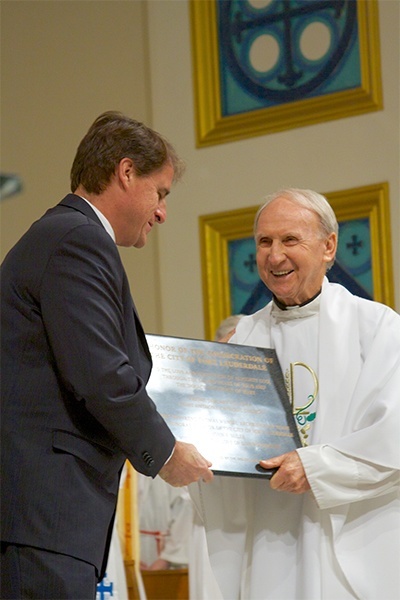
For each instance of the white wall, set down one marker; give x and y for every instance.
(332, 156)
(62, 64)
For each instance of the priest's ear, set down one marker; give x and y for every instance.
(330, 247)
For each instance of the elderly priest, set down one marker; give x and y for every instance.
(327, 524)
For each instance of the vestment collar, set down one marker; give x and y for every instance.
(307, 309)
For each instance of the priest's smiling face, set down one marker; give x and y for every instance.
(292, 251)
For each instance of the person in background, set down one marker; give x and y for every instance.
(75, 364)
(165, 519)
(327, 524)
(226, 328)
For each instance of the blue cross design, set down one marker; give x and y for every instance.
(104, 587)
(286, 14)
(250, 263)
(355, 244)
(283, 19)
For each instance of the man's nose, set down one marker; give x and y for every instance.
(276, 251)
(161, 213)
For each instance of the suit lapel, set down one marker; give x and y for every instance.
(139, 330)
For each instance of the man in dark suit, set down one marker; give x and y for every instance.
(75, 364)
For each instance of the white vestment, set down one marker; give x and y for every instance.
(340, 540)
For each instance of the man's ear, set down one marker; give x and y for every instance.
(330, 247)
(125, 171)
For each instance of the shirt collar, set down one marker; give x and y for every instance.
(301, 311)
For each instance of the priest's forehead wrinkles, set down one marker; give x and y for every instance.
(287, 219)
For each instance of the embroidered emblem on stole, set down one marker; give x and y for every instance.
(305, 414)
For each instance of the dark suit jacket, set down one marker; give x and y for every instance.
(75, 363)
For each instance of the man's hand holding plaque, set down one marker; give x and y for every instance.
(176, 470)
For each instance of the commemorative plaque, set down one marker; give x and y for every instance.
(229, 400)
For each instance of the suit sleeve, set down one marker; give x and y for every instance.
(87, 323)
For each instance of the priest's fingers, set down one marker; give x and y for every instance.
(290, 476)
(273, 463)
(185, 466)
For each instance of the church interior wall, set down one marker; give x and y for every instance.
(62, 64)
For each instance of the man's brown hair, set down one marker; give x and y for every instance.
(112, 137)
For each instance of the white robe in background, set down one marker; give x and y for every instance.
(342, 539)
(168, 510)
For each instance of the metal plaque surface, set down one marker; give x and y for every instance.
(229, 400)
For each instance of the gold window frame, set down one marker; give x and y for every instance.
(213, 128)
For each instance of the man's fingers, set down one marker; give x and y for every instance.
(208, 476)
(186, 466)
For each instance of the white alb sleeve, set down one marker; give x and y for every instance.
(336, 478)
